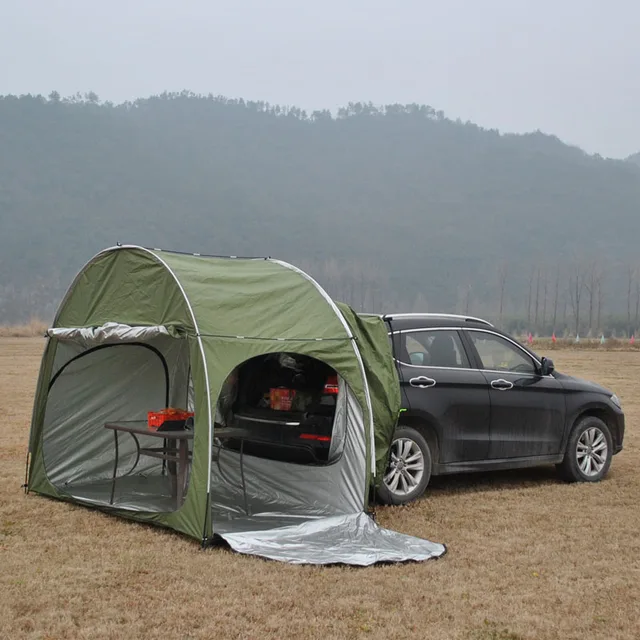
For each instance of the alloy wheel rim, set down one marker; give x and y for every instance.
(592, 451)
(406, 467)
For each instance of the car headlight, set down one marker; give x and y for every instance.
(614, 398)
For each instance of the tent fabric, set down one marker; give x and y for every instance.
(382, 380)
(274, 488)
(140, 328)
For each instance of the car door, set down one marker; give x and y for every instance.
(527, 409)
(442, 388)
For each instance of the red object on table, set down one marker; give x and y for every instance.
(155, 419)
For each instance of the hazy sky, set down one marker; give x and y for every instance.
(569, 67)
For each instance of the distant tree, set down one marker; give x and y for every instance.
(555, 300)
(637, 317)
(631, 272)
(599, 293)
(323, 115)
(544, 300)
(502, 281)
(535, 322)
(529, 298)
(576, 289)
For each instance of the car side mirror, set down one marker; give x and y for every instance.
(546, 367)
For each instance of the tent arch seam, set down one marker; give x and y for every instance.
(195, 326)
(191, 312)
(332, 304)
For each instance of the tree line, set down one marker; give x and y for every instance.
(391, 207)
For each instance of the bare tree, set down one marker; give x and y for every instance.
(599, 290)
(529, 299)
(576, 289)
(630, 274)
(535, 322)
(502, 281)
(544, 300)
(591, 285)
(467, 302)
(555, 298)
(635, 324)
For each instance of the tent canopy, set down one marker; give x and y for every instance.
(141, 329)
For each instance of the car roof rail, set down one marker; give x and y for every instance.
(437, 315)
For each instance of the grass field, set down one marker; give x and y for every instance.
(529, 556)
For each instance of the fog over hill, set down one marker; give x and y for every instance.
(388, 207)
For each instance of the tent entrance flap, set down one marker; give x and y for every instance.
(97, 447)
(259, 472)
(353, 539)
(285, 508)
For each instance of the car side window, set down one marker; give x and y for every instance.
(498, 354)
(433, 349)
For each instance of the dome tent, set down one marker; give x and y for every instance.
(141, 329)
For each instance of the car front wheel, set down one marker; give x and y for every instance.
(409, 470)
(589, 451)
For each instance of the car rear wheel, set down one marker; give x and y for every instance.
(589, 451)
(409, 470)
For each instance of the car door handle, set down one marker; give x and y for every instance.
(422, 382)
(501, 385)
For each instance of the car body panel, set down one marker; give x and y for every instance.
(458, 402)
(529, 424)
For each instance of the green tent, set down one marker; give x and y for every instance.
(142, 330)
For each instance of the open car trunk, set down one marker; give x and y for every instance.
(287, 404)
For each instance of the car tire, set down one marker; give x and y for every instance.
(589, 451)
(409, 469)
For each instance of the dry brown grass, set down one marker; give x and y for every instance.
(529, 556)
(542, 345)
(32, 329)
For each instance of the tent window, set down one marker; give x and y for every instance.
(97, 445)
(285, 407)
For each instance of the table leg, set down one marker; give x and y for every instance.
(244, 485)
(164, 462)
(171, 466)
(182, 470)
(115, 468)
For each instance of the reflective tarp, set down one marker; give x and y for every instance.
(108, 333)
(353, 539)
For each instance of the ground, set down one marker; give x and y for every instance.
(529, 556)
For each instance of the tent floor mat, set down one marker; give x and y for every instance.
(137, 493)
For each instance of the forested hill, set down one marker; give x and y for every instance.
(388, 207)
(635, 157)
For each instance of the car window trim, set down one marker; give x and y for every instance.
(467, 329)
(428, 366)
(515, 344)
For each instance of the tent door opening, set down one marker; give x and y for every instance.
(97, 445)
(283, 407)
(288, 444)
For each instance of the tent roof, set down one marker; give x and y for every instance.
(202, 294)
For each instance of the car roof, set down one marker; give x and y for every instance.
(418, 320)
